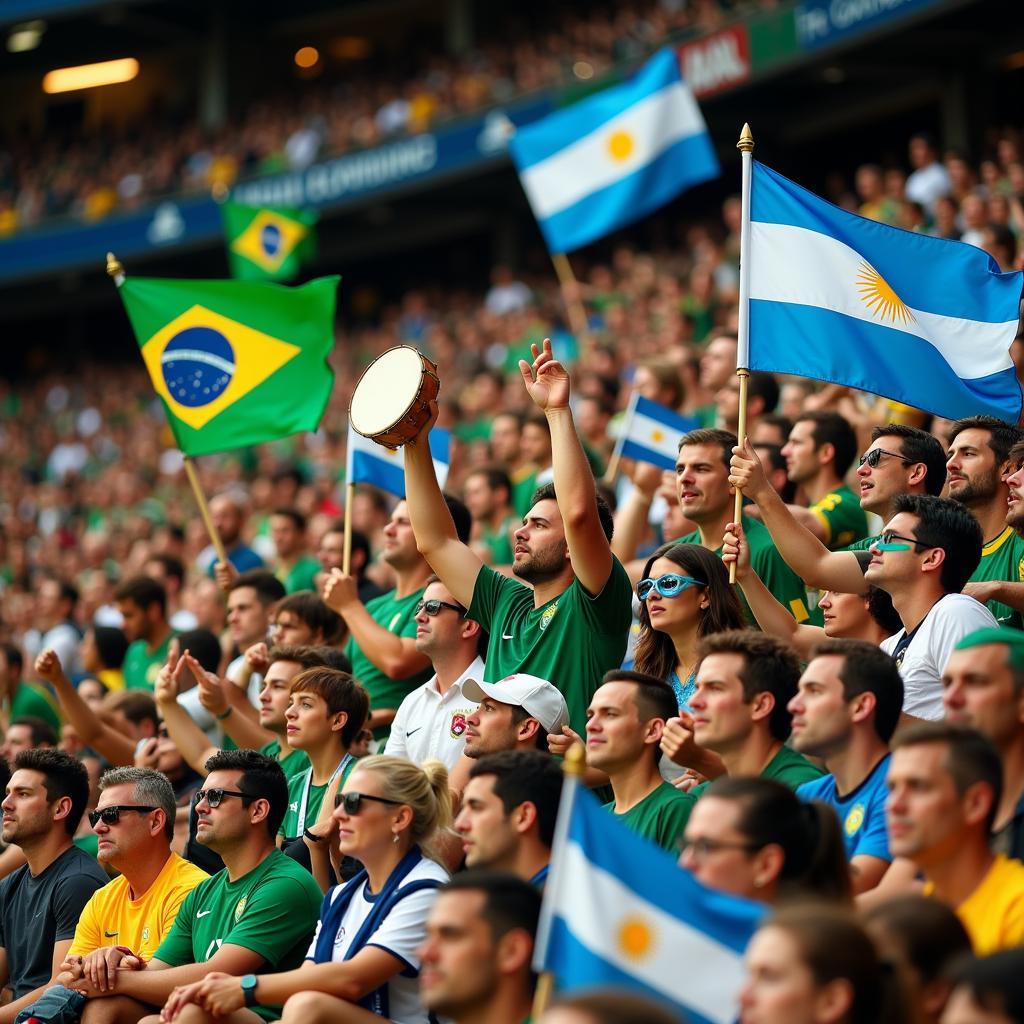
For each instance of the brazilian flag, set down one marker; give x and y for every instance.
(268, 242)
(235, 362)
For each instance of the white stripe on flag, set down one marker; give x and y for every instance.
(585, 166)
(797, 265)
(596, 907)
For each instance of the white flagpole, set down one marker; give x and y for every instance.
(746, 148)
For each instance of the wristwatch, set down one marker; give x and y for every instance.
(249, 982)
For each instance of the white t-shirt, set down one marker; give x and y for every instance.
(928, 184)
(924, 661)
(400, 933)
(429, 725)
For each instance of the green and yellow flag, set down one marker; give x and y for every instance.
(236, 363)
(268, 242)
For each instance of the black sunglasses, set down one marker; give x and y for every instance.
(112, 815)
(874, 457)
(214, 796)
(433, 608)
(353, 801)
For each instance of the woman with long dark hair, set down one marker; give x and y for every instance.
(684, 595)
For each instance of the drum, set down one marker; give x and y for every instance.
(391, 400)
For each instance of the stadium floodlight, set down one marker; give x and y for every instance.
(90, 76)
(25, 37)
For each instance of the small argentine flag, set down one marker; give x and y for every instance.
(372, 463)
(924, 321)
(614, 157)
(652, 432)
(619, 912)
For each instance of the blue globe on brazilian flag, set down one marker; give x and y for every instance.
(268, 242)
(236, 363)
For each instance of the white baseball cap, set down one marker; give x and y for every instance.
(537, 697)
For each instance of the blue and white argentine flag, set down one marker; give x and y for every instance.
(619, 911)
(925, 321)
(372, 463)
(652, 432)
(614, 157)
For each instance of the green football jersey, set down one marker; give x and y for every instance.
(660, 817)
(272, 910)
(305, 799)
(294, 764)
(787, 766)
(140, 667)
(841, 517)
(571, 641)
(1002, 559)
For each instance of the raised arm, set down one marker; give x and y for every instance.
(117, 749)
(590, 552)
(631, 517)
(802, 551)
(772, 616)
(454, 562)
(192, 743)
(395, 656)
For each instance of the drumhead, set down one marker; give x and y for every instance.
(386, 391)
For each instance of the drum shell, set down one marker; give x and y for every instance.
(409, 424)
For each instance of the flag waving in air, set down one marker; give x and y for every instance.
(924, 321)
(268, 243)
(235, 363)
(651, 432)
(618, 911)
(614, 157)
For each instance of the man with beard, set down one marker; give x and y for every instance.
(979, 459)
(382, 633)
(571, 623)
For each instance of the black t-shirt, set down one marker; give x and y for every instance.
(37, 912)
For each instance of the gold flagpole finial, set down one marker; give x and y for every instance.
(746, 143)
(115, 270)
(575, 762)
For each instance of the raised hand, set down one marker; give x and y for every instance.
(340, 591)
(546, 379)
(561, 742)
(48, 667)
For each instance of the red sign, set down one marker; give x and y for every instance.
(716, 62)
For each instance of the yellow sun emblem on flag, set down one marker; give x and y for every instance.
(636, 937)
(880, 297)
(620, 145)
(657, 435)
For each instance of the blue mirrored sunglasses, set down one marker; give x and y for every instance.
(669, 585)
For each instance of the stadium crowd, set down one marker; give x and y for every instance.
(284, 792)
(119, 168)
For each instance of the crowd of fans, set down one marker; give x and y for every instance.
(331, 796)
(342, 110)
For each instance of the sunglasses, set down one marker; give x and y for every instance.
(433, 608)
(352, 802)
(112, 815)
(887, 539)
(669, 585)
(214, 797)
(874, 457)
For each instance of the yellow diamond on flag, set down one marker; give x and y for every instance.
(621, 145)
(636, 937)
(203, 362)
(269, 240)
